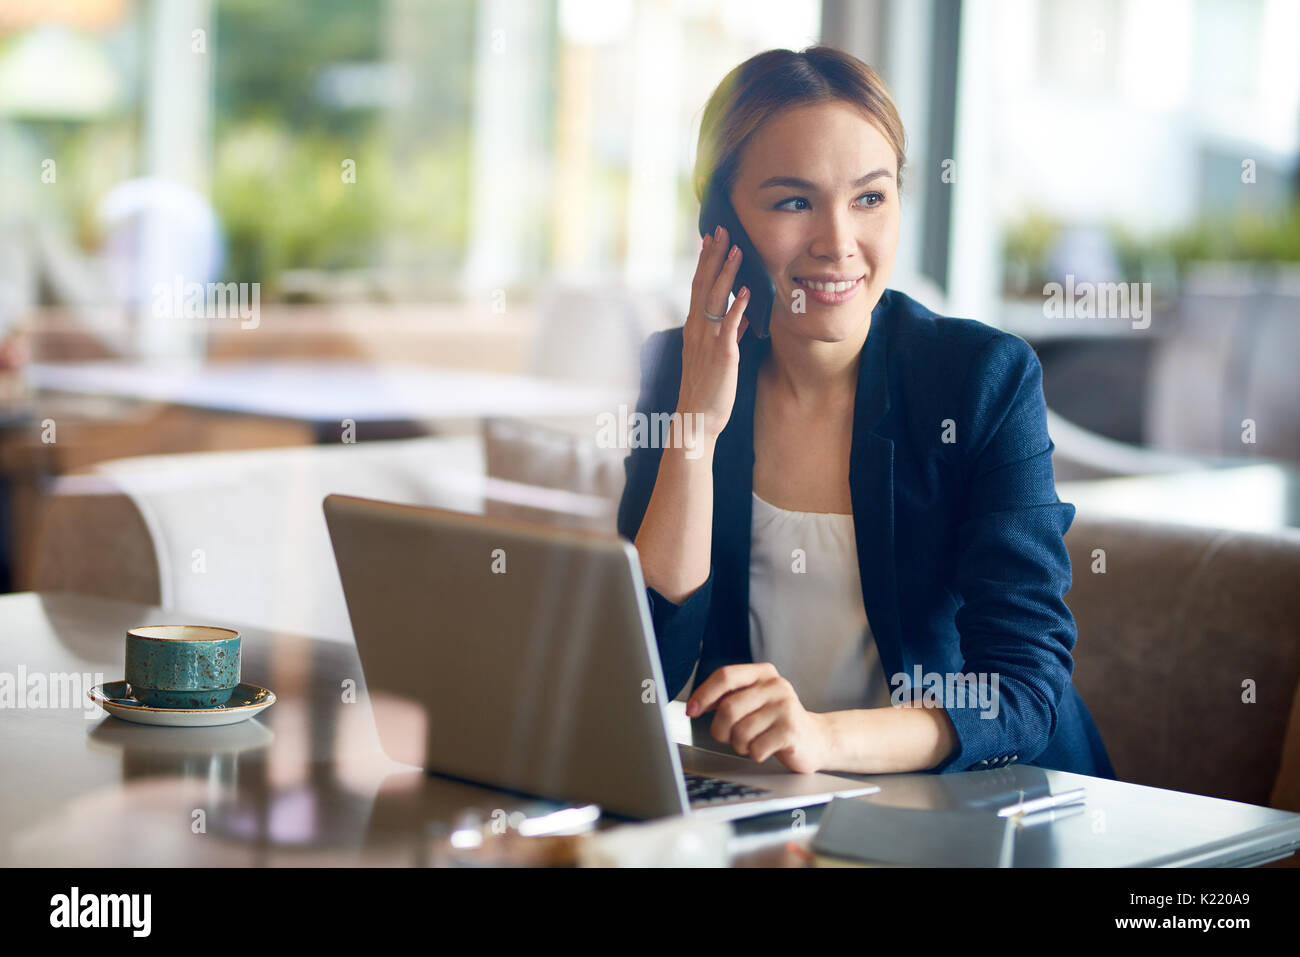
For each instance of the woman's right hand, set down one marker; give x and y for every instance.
(711, 350)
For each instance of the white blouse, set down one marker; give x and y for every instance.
(805, 609)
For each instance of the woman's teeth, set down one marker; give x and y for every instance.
(828, 286)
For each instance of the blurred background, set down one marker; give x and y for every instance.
(251, 253)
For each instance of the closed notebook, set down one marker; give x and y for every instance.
(907, 837)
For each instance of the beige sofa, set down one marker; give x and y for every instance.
(1181, 620)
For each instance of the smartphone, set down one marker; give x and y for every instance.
(717, 210)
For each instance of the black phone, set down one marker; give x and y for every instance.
(717, 210)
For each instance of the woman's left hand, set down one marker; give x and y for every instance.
(759, 715)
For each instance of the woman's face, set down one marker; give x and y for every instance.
(816, 192)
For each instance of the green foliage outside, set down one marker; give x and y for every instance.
(278, 153)
(1248, 236)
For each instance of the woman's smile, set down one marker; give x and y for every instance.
(830, 292)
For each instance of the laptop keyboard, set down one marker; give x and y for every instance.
(705, 790)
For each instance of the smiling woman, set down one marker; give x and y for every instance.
(871, 494)
(809, 141)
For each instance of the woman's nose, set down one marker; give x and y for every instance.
(834, 239)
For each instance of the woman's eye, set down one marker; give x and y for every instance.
(875, 200)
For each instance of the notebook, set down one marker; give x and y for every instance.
(908, 837)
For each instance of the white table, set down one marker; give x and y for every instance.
(306, 783)
(329, 391)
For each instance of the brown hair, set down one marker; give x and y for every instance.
(774, 80)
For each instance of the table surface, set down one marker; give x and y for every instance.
(306, 783)
(322, 390)
(1262, 497)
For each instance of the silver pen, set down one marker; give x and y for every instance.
(1050, 815)
(1043, 803)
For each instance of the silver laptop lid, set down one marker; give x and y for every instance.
(517, 655)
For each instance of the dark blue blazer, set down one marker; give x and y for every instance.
(960, 533)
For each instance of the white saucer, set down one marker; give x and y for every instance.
(246, 701)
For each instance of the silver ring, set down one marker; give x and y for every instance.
(711, 317)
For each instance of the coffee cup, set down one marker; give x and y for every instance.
(182, 666)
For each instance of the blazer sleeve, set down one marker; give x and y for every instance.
(679, 628)
(1012, 569)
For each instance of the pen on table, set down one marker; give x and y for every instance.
(1043, 803)
(1048, 816)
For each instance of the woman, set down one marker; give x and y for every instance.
(862, 557)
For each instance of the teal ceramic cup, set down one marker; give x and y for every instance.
(182, 666)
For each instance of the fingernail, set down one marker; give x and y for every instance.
(735, 251)
(690, 709)
(717, 233)
(744, 291)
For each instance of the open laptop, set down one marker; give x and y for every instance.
(523, 657)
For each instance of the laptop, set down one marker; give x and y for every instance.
(522, 656)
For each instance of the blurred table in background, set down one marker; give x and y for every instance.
(1264, 497)
(323, 394)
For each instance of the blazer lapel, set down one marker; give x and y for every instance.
(733, 505)
(871, 485)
